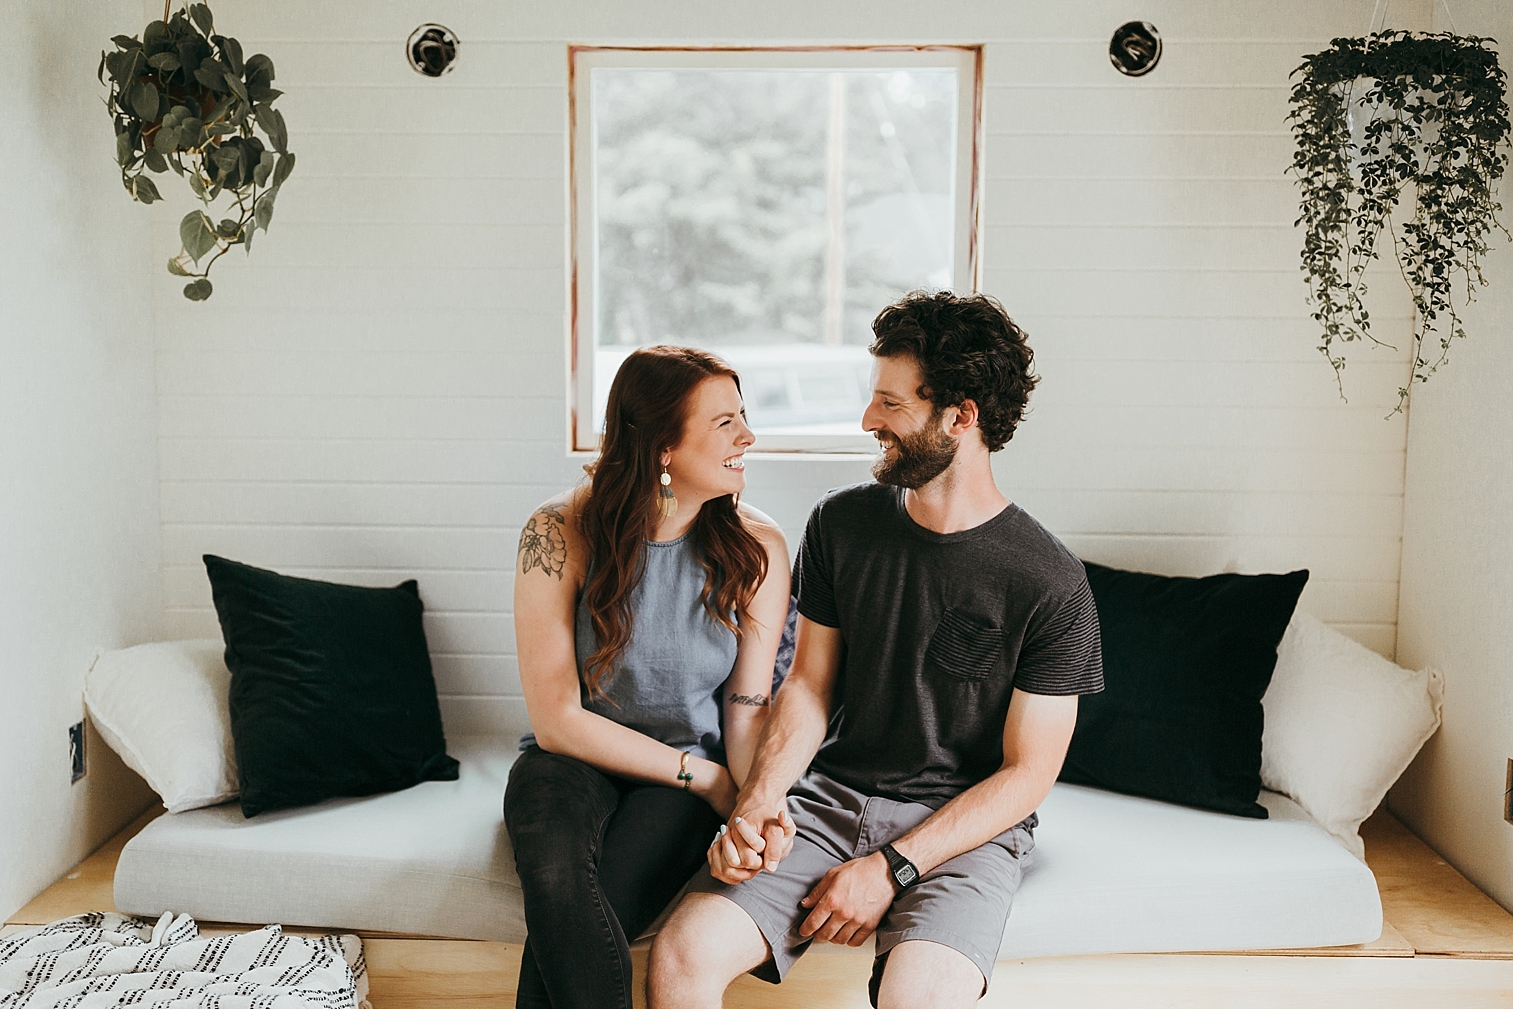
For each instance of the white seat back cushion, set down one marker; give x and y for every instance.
(163, 708)
(1342, 724)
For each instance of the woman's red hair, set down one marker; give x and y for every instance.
(645, 416)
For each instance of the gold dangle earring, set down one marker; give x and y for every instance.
(667, 504)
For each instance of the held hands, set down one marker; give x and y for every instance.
(849, 901)
(759, 839)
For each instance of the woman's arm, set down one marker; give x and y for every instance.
(551, 567)
(747, 696)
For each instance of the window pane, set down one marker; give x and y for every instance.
(768, 215)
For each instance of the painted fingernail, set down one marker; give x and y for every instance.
(738, 819)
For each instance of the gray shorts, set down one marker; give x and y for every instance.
(962, 903)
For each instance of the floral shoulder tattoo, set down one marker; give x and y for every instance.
(543, 543)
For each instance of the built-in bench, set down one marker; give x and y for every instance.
(1109, 873)
(1443, 942)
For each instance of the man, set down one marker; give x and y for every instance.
(950, 635)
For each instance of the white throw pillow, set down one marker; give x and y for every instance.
(1342, 724)
(163, 708)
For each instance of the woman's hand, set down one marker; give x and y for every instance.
(712, 783)
(740, 850)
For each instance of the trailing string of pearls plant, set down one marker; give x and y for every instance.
(183, 98)
(1436, 131)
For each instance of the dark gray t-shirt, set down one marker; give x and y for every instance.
(938, 630)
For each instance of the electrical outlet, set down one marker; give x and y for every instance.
(1507, 794)
(76, 750)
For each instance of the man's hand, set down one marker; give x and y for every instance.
(756, 838)
(850, 901)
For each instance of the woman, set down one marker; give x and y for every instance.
(648, 609)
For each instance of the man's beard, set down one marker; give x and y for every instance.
(918, 458)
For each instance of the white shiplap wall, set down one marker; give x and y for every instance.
(379, 392)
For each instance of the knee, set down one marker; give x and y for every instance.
(551, 852)
(558, 874)
(673, 956)
(924, 973)
(677, 974)
(707, 943)
(554, 802)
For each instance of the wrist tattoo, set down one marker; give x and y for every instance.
(543, 543)
(755, 701)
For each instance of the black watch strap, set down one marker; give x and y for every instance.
(905, 873)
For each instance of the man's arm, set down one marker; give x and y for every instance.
(852, 898)
(759, 831)
(1036, 735)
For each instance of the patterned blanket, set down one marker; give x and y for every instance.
(99, 960)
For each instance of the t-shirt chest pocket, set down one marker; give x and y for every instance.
(964, 646)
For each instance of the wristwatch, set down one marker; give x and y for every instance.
(904, 872)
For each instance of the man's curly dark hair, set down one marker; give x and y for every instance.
(967, 348)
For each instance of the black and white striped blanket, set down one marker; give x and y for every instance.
(101, 960)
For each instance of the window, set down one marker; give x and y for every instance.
(764, 205)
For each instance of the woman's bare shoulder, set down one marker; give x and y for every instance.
(550, 540)
(762, 526)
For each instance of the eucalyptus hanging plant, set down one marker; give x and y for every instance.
(183, 98)
(1436, 126)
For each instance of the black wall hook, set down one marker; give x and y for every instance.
(431, 50)
(1135, 48)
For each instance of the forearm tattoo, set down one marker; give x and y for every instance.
(542, 542)
(757, 701)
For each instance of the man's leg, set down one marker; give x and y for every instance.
(939, 941)
(707, 943)
(720, 931)
(928, 975)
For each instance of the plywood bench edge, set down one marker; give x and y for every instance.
(1437, 910)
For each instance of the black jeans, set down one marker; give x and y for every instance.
(599, 857)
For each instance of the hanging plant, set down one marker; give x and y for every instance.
(1436, 126)
(183, 98)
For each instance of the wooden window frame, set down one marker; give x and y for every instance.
(967, 273)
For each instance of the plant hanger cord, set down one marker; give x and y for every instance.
(1449, 17)
(1386, 5)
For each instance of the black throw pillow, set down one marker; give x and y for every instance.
(331, 688)
(1185, 664)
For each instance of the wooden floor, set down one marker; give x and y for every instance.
(1444, 943)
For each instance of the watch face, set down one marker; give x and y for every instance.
(906, 875)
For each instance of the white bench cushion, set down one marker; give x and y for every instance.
(430, 860)
(1116, 874)
(1110, 873)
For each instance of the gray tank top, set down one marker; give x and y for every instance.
(667, 682)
